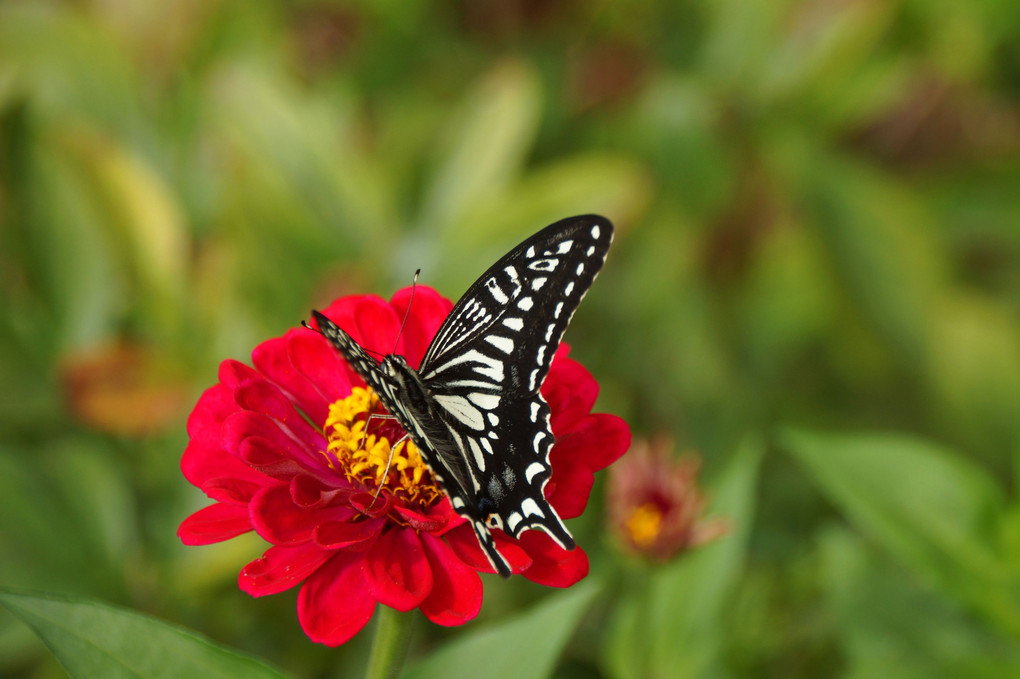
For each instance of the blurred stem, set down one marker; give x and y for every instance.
(389, 648)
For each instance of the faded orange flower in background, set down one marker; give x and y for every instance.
(655, 506)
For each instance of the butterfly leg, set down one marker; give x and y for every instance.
(368, 423)
(386, 472)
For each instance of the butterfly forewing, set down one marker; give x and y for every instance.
(487, 363)
(474, 407)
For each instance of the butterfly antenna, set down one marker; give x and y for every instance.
(407, 311)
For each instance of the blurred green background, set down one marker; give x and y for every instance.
(815, 286)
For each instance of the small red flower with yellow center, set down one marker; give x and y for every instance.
(288, 449)
(655, 506)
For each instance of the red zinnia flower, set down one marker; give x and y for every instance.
(283, 450)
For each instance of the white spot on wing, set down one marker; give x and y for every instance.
(564, 247)
(533, 470)
(493, 418)
(545, 264)
(538, 438)
(535, 407)
(504, 344)
(569, 289)
(459, 407)
(476, 452)
(484, 401)
(514, 323)
(595, 231)
(538, 283)
(497, 292)
(525, 303)
(580, 268)
(513, 520)
(490, 367)
(531, 508)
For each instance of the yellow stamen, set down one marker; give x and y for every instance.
(364, 456)
(644, 524)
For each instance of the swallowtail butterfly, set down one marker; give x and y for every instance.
(473, 408)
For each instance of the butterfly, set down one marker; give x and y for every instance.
(474, 407)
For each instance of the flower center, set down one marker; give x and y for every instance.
(361, 448)
(644, 524)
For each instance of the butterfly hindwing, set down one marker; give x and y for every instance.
(474, 408)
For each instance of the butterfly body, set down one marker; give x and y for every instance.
(474, 407)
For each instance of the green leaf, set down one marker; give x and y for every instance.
(891, 626)
(524, 647)
(974, 370)
(91, 639)
(675, 626)
(930, 508)
(610, 184)
(879, 240)
(493, 133)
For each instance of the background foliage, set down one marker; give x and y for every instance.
(816, 286)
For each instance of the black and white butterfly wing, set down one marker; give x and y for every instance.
(486, 365)
(474, 408)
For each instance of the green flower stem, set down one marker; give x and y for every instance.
(392, 639)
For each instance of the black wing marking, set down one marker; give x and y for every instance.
(488, 361)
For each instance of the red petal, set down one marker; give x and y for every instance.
(279, 520)
(265, 456)
(597, 442)
(312, 491)
(428, 311)
(571, 392)
(214, 523)
(456, 595)
(371, 505)
(322, 368)
(231, 490)
(397, 571)
(274, 359)
(265, 399)
(280, 440)
(348, 534)
(204, 460)
(569, 489)
(214, 405)
(465, 543)
(334, 603)
(422, 522)
(368, 319)
(280, 568)
(233, 373)
(551, 564)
